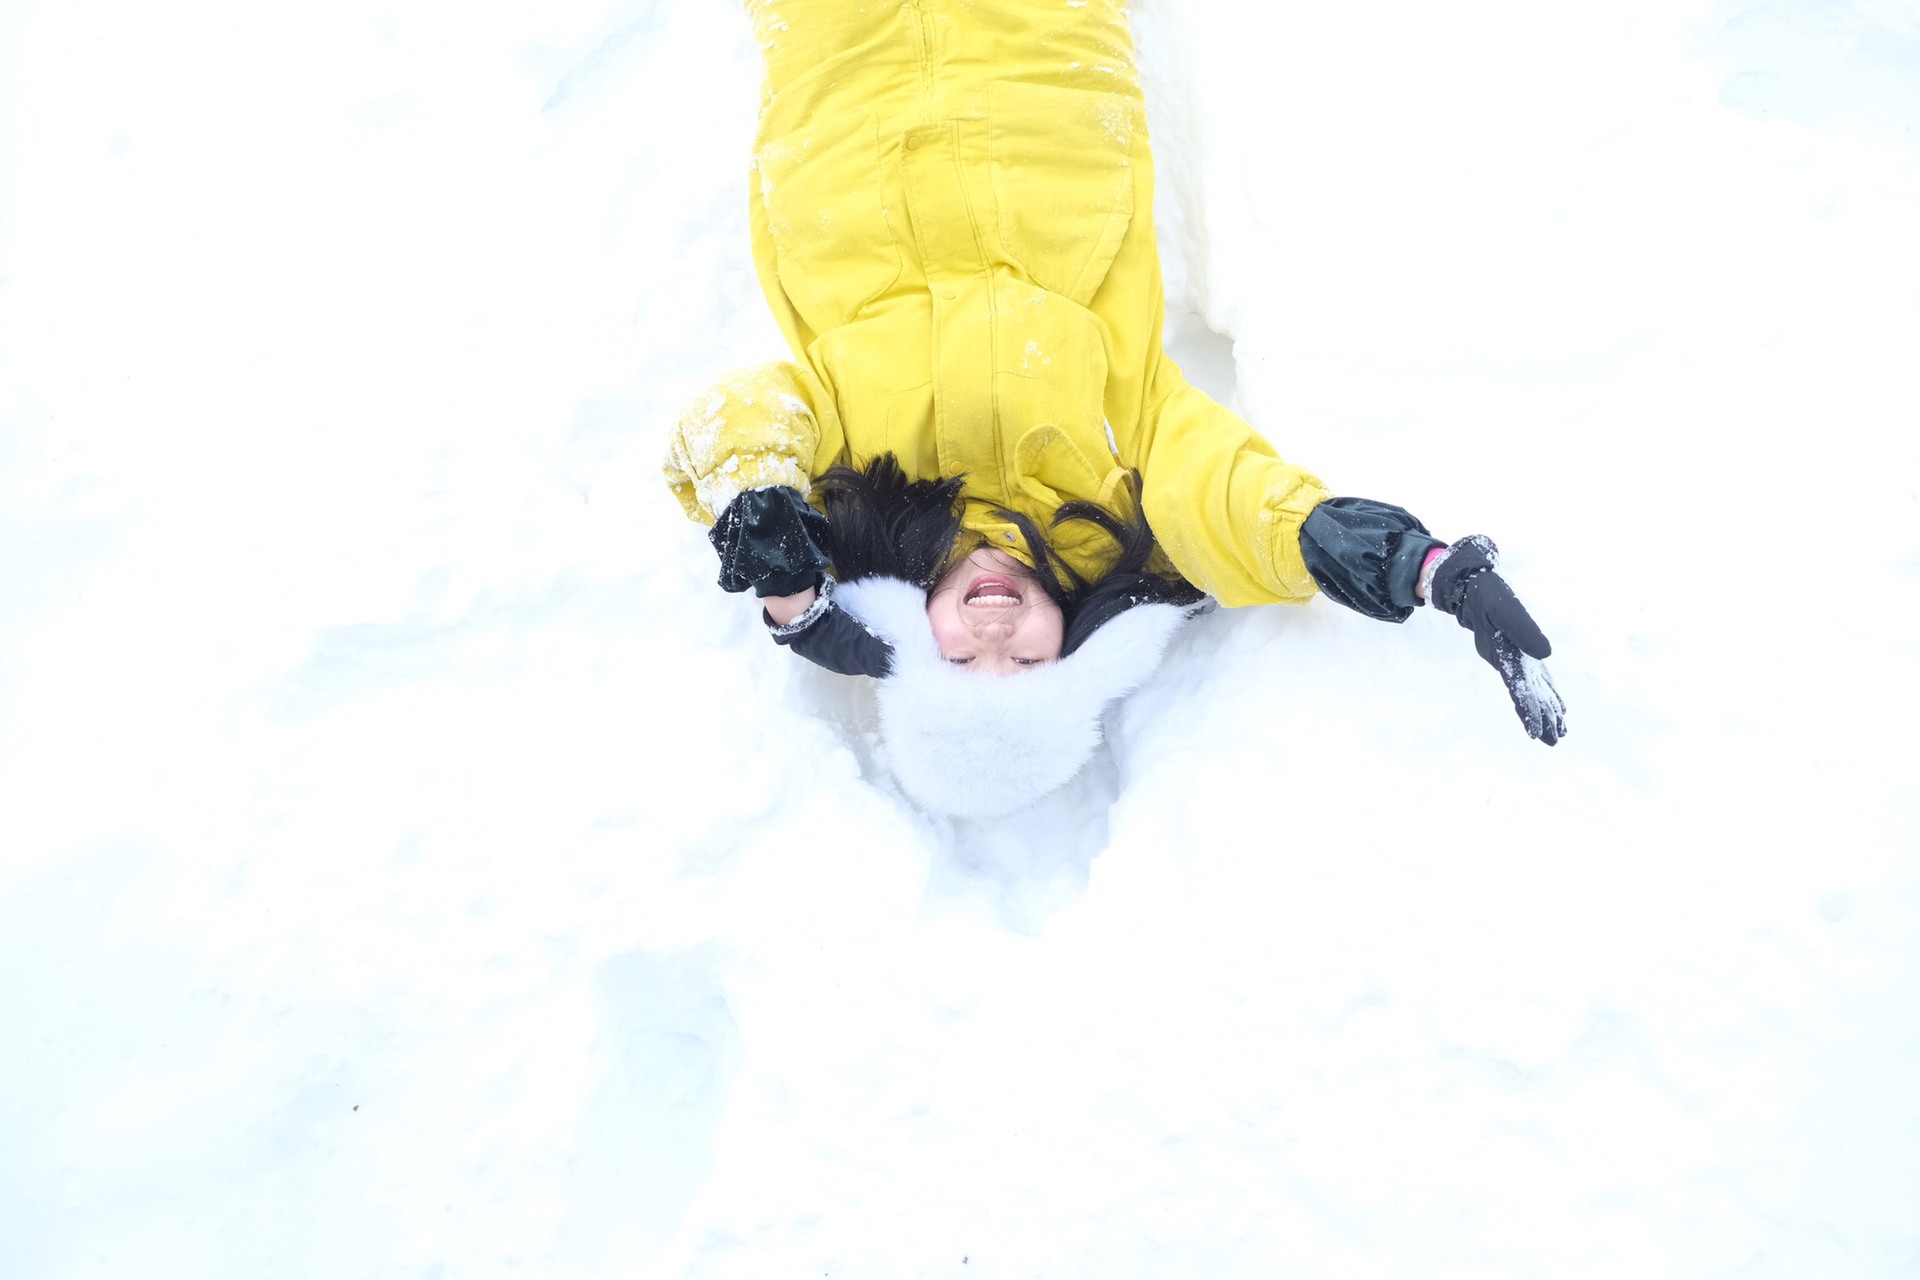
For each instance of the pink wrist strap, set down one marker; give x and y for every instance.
(1434, 557)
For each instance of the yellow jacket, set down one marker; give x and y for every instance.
(952, 206)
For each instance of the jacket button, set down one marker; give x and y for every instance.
(947, 294)
(913, 144)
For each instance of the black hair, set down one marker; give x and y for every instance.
(882, 523)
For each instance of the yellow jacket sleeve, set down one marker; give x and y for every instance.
(773, 424)
(1224, 505)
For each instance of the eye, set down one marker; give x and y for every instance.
(1029, 662)
(959, 662)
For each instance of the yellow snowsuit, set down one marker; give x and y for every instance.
(952, 206)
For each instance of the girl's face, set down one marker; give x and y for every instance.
(990, 614)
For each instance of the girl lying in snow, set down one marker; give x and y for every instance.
(952, 214)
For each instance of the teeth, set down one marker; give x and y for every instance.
(995, 592)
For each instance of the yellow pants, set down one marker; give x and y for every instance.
(929, 59)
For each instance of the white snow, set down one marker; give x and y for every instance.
(410, 864)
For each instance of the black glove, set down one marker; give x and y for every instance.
(828, 635)
(1466, 586)
(771, 540)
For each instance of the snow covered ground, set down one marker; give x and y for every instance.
(411, 865)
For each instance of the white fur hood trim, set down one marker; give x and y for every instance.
(979, 746)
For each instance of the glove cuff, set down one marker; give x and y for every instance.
(1450, 575)
(788, 584)
(772, 540)
(812, 614)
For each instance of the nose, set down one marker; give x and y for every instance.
(987, 627)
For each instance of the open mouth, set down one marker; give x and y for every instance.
(993, 592)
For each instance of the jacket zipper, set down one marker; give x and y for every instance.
(923, 30)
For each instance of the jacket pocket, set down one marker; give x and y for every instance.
(1062, 181)
(826, 210)
(1049, 364)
